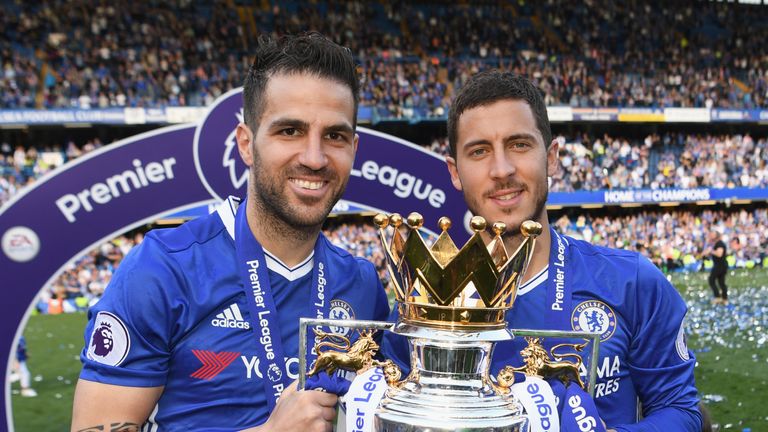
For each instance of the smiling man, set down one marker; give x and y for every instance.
(501, 154)
(204, 318)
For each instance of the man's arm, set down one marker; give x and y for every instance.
(111, 408)
(661, 366)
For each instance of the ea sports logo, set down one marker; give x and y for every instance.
(217, 160)
(20, 244)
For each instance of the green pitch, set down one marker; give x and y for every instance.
(731, 345)
(53, 344)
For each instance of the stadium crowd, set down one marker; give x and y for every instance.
(678, 239)
(21, 166)
(587, 162)
(661, 161)
(413, 55)
(657, 161)
(83, 281)
(672, 240)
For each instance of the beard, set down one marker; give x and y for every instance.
(513, 227)
(272, 202)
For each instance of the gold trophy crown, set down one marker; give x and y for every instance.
(450, 288)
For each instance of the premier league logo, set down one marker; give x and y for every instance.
(102, 339)
(216, 156)
(594, 316)
(274, 373)
(110, 341)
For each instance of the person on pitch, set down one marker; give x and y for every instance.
(198, 329)
(719, 270)
(501, 152)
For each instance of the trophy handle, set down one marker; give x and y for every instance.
(304, 323)
(364, 349)
(543, 363)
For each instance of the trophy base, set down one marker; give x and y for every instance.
(415, 408)
(414, 424)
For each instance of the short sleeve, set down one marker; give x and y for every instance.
(129, 331)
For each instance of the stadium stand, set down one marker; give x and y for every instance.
(187, 52)
(672, 240)
(630, 59)
(587, 162)
(595, 54)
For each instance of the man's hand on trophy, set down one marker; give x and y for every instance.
(305, 410)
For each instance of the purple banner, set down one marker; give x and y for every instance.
(135, 181)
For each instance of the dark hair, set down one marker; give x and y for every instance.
(310, 53)
(492, 86)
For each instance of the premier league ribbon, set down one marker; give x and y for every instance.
(559, 287)
(579, 412)
(258, 292)
(539, 402)
(363, 398)
(577, 409)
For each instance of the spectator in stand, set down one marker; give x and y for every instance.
(86, 55)
(587, 162)
(23, 166)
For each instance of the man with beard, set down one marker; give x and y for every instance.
(501, 152)
(204, 318)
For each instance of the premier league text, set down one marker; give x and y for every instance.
(544, 409)
(404, 184)
(368, 388)
(559, 276)
(101, 193)
(586, 422)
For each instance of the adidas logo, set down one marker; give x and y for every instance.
(230, 318)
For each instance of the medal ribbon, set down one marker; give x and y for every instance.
(559, 288)
(263, 315)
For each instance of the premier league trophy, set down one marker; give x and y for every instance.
(452, 304)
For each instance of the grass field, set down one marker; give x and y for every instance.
(53, 344)
(731, 347)
(730, 344)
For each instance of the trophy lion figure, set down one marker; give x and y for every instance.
(354, 357)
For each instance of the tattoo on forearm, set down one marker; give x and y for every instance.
(124, 427)
(114, 427)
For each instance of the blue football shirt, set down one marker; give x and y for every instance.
(639, 314)
(175, 315)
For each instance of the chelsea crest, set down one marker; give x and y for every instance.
(594, 316)
(340, 310)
